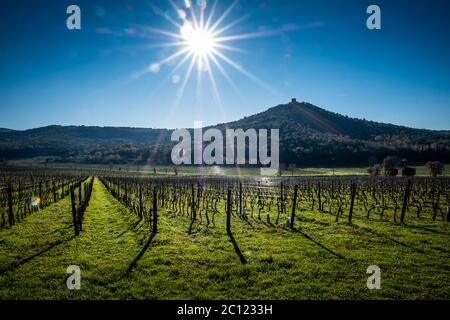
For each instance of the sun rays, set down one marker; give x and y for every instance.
(201, 40)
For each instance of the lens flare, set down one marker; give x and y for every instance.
(34, 201)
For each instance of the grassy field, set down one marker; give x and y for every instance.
(148, 170)
(320, 259)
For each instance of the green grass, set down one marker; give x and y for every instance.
(321, 259)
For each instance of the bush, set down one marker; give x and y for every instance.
(435, 168)
(408, 172)
(392, 172)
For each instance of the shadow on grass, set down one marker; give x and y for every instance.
(318, 243)
(322, 223)
(28, 259)
(139, 256)
(413, 226)
(133, 227)
(247, 221)
(388, 238)
(268, 224)
(236, 248)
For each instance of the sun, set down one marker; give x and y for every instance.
(200, 41)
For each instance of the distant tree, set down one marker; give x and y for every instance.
(389, 163)
(175, 170)
(154, 170)
(408, 172)
(292, 168)
(374, 170)
(435, 168)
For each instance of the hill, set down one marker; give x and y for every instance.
(309, 135)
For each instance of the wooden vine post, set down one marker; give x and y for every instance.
(294, 203)
(80, 206)
(240, 198)
(54, 191)
(229, 212)
(352, 201)
(405, 200)
(155, 212)
(74, 211)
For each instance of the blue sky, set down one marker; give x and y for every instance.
(315, 50)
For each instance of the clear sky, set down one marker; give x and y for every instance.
(315, 50)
